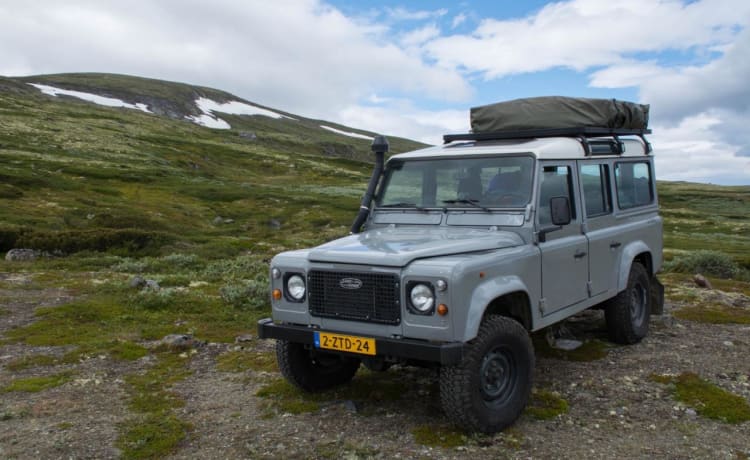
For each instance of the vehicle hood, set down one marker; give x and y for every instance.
(397, 247)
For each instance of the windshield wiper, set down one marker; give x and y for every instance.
(402, 205)
(472, 202)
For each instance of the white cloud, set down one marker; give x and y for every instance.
(458, 20)
(403, 14)
(694, 151)
(419, 36)
(300, 55)
(580, 34)
(401, 118)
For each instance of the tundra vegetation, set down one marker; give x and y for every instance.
(147, 226)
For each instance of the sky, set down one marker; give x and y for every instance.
(414, 68)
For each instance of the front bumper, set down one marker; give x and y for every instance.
(442, 353)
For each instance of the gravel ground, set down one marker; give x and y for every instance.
(615, 409)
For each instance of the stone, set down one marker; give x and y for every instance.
(248, 135)
(274, 224)
(350, 406)
(152, 284)
(218, 220)
(702, 282)
(137, 282)
(22, 255)
(690, 412)
(567, 344)
(180, 341)
(243, 338)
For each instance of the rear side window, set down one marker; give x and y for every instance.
(634, 184)
(595, 184)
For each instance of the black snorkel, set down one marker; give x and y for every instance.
(379, 147)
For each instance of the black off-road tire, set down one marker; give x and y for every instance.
(489, 389)
(629, 312)
(312, 370)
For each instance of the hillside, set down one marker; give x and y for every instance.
(75, 166)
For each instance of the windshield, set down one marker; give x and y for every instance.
(467, 182)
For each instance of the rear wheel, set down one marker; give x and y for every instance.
(629, 312)
(489, 389)
(312, 370)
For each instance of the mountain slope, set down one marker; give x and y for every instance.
(75, 175)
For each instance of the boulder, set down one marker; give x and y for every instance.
(702, 282)
(22, 255)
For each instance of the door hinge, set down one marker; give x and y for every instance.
(542, 305)
(589, 288)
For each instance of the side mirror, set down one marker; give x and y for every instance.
(559, 207)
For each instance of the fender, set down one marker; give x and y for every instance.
(626, 260)
(485, 293)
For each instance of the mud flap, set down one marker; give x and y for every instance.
(657, 296)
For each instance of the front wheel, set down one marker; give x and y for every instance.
(489, 389)
(628, 313)
(313, 370)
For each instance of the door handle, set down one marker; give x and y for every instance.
(615, 244)
(579, 254)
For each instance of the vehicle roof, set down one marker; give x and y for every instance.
(542, 148)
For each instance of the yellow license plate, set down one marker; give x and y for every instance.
(340, 342)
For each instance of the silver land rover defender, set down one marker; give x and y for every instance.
(460, 251)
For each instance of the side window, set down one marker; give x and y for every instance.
(595, 185)
(634, 184)
(555, 181)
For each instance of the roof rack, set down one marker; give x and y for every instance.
(581, 133)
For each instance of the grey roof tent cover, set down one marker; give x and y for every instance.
(554, 112)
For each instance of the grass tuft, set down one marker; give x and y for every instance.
(37, 384)
(242, 361)
(439, 436)
(714, 314)
(31, 361)
(709, 263)
(546, 405)
(706, 398)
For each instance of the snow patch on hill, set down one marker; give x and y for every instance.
(346, 133)
(95, 98)
(210, 120)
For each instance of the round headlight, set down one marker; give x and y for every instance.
(422, 298)
(295, 286)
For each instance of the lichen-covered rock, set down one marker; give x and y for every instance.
(702, 281)
(22, 255)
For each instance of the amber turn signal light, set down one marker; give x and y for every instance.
(277, 294)
(442, 309)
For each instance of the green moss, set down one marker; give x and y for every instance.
(241, 361)
(371, 387)
(546, 405)
(287, 398)
(706, 398)
(714, 314)
(37, 384)
(590, 350)
(439, 436)
(155, 430)
(31, 361)
(152, 436)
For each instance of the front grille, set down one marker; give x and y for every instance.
(376, 300)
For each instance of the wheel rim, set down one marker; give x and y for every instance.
(498, 374)
(638, 299)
